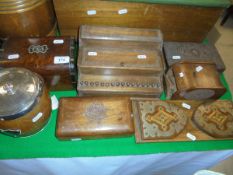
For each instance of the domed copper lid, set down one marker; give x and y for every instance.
(19, 92)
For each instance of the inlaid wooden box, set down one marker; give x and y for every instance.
(94, 117)
(51, 57)
(139, 86)
(188, 51)
(177, 22)
(182, 120)
(194, 81)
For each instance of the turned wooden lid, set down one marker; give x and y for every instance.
(19, 92)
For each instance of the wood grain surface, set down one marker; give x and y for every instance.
(38, 54)
(177, 22)
(94, 117)
(27, 18)
(197, 81)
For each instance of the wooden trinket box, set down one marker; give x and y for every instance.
(140, 86)
(193, 81)
(188, 51)
(178, 120)
(94, 117)
(51, 57)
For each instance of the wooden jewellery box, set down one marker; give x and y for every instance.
(182, 120)
(94, 117)
(189, 51)
(194, 81)
(120, 61)
(51, 57)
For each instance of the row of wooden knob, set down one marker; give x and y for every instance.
(119, 84)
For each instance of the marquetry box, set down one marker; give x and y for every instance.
(188, 51)
(193, 81)
(182, 120)
(120, 61)
(94, 117)
(51, 57)
(178, 20)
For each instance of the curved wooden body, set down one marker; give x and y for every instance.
(26, 18)
(194, 81)
(38, 55)
(32, 122)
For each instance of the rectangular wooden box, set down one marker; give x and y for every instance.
(177, 22)
(170, 128)
(94, 117)
(120, 61)
(194, 81)
(51, 57)
(188, 51)
(139, 86)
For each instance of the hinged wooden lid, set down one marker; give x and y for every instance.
(120, 58)
(189, 51)
(120, 33)
(196, 75)
(94, 117)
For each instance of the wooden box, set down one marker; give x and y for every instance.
(173, 120)
(139, 86)
(194, 81)
(51, 57)
(94, 117)
(188, 51)
(177, 22)
(120, 61)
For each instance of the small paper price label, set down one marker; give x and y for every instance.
(91, 12)
(142, 57)
(122, 11)
(199, 68)
(37, 117)
(13, 56)
(191, 136)
(92, 53)
(181, 74)
(55, 102)
(61, 59)
(177, 57)
(58, 41)
(185, 105)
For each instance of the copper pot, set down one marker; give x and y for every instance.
(26, 18)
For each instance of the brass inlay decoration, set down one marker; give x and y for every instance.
(218, 118)
(162, 118)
